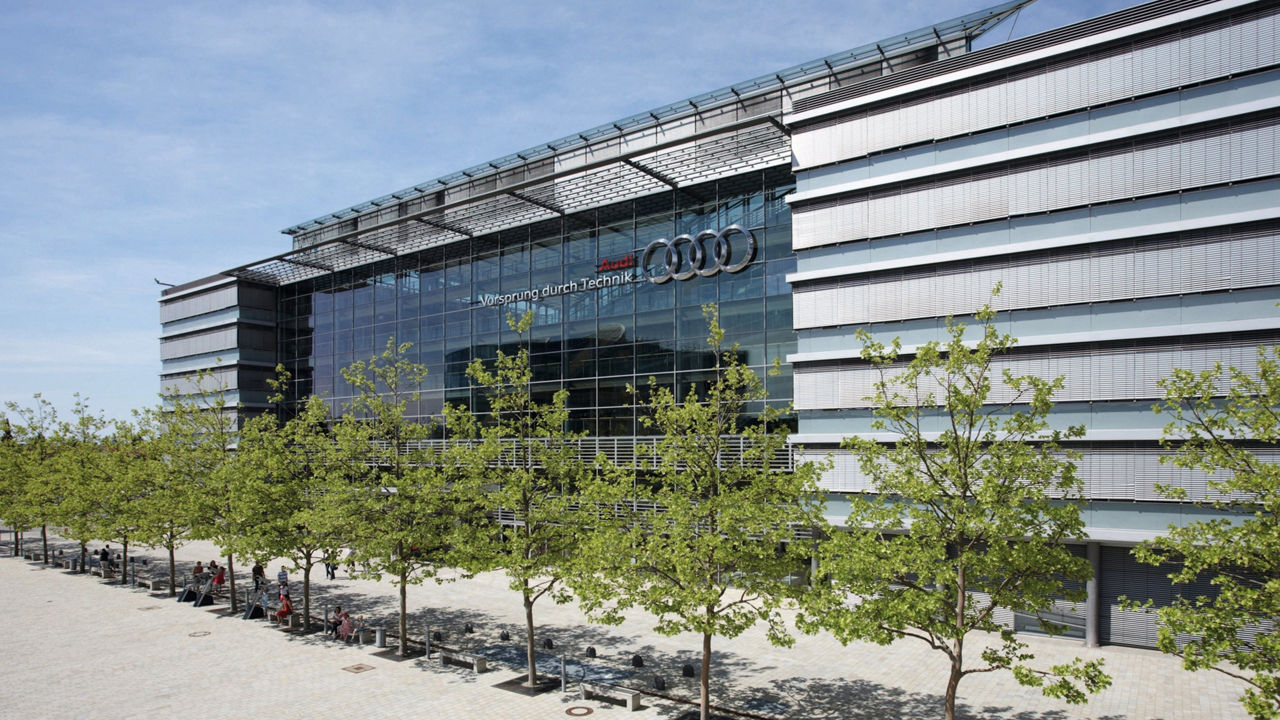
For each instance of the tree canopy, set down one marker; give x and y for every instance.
(1218, 418)
(711, 536)
(966, 512)
(400, 510)
(283, 478)
(532, 475)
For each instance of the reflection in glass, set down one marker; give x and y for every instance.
(593, 343)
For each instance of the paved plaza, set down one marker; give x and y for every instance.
(78, 647)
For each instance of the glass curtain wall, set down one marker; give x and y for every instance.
(595, 343)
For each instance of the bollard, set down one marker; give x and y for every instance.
(380, 637)
(564, 681)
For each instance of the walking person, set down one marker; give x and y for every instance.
(283, 578)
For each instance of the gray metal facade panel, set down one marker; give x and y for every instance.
(1193, 262)
(194, 305)
(1239, 150)
(1109, 472)
(199, 343)
(1141, 68)
(1102, 373)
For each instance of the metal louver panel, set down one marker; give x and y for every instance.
(198, 343)
(1108, 471)
(1225, 152)
(1192, 262)
(1186, 57)
(1091, 374)
(1124, 577)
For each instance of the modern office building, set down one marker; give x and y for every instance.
(1118, 177)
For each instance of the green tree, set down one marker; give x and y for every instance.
(11, 480)
(165, 506)
(535, 474)
(707, 538)
(961, 524)
(37, 499)
(129, 470)
(82, 463)
(202, 435)
(1217, 416)
(400, 509)
(283, 477)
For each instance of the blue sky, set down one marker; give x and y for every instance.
(175, 140)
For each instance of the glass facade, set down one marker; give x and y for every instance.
(592, 342)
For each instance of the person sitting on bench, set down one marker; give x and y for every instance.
(219, 580)
(339, 619)
(286, 609)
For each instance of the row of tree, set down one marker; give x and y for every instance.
(705, 529)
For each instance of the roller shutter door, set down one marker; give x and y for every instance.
(1122, 576)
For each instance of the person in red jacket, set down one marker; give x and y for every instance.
(286, 609)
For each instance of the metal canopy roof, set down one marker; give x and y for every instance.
(710, 136)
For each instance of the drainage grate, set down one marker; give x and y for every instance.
(578, 711)
(150, 607)
(198, 633)
(358, 668)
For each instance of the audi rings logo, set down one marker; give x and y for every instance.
(721, 256)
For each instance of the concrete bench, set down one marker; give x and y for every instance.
(361, 635)
(104, 571)
(293, 621)
(613, 692)
(159, 584)
(478, 662)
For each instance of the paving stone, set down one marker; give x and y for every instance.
(79, 648)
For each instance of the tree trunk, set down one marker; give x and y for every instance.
(949, 708)
(957, 647)
(306, 596)
(17, 542)
(173, 572)
(404, 620)
(84, 556)
(531, 650)
(704, 682)
(124, 562)
(231, 580)
(44, 539)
